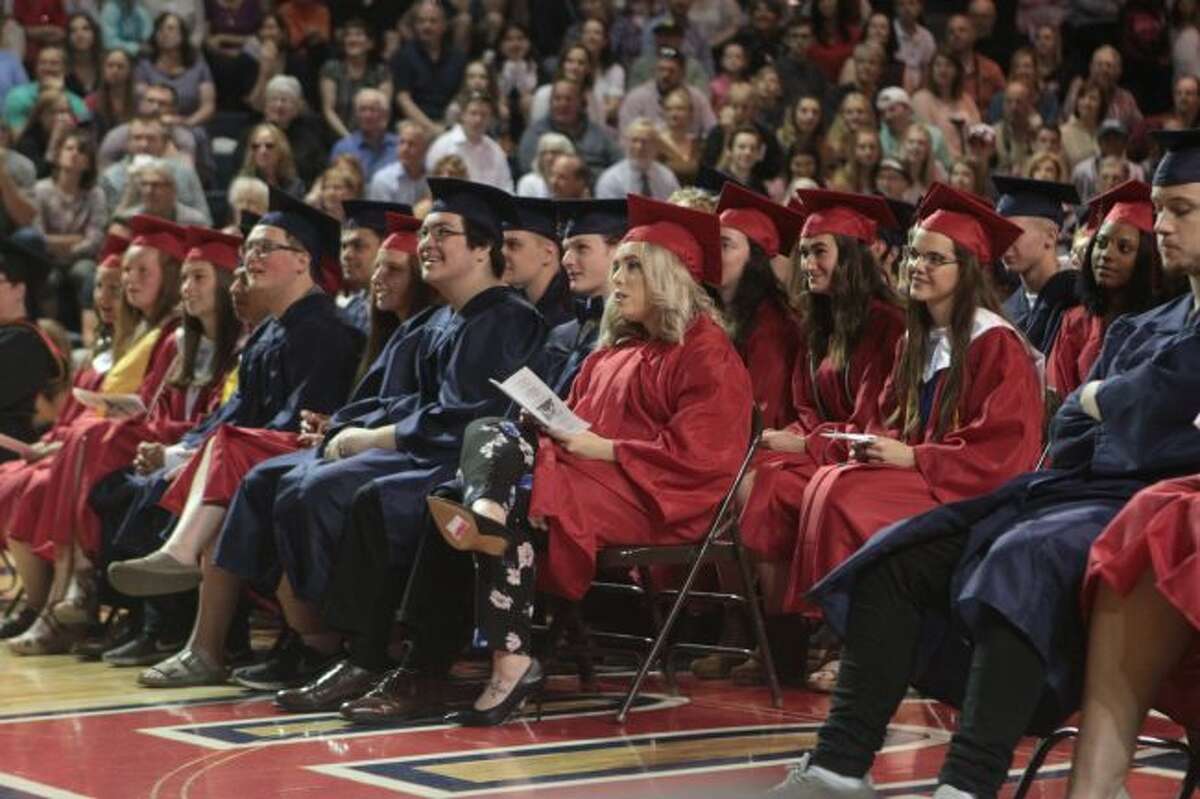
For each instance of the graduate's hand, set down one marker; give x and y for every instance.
(313, 423)
(783, 441)
(150, 457)
(310, 440)
(588, 445)
(42, 449)
(539, 523)
(886, 450)
(1087, 399)
(353, 440)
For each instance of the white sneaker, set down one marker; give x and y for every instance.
(809, 782)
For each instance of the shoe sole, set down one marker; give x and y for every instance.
(137, 582)
(148, 659)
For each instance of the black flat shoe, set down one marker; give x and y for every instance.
(466, 530)
(530, 684)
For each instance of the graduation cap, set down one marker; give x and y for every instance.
(532, 214)
(768, 224)
(113, 245)
(714, 180)
(1127, 202)
(401, 233)
(842, 213)
(1029, 197)
(693, 236)
(318, 232)
(584, 217)
(968, 221)
(904, 213)
(485, 206)
(1181, 157)
(372, 214)
(219, 249)
(20, 264)
(161, 234)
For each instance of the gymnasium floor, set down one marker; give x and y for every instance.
(69, 729)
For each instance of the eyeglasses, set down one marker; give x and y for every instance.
(263, 249)
(439, 233)
(932, 259)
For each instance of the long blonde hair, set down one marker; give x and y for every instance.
(675, 297)
(125, 326)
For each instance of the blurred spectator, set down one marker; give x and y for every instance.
(575, 65)
(44, 23)
(308, 23)
(478, 78)
(269, 158)
(85, 54)
(342, 79)
(692, 41)
(112, 104)
(733, 67)
(172, 59)
(1113, 141)
(155, 180)
(718, 21)
(915, 45)
(803, 162)
(865, 69)
(570, 178)
(742, 111)
(245, 194)
(486, 162)
(17, 178)
(126, 25)
(427, 71)
(923, 168)
(592, 142)
(50, 73)
(1046, 166)
(627, 28)
(803, 125)
(679, 148)
(148, 138)
(49, 123)
(404, 180)
(1079, 131)
(1022, 68)
(742, 154)
(853, 115)
(1185, 38)
(232, 24)
(763, 32)
(639, 172)
(768, 98)
(967, 174)
(534, 182)
(12, 35)
(646, 100)
(336, 185)
(1016, 129)
(1113, 170)
(982, 77)
(12, 73)
(190, 12)
(896, 112)
(372, 144)
(159, 102)
(837, 28)
(1185, 104)
(858, 174)
(285, 110)
(608, 76)
(264, 55)
(1105, 71)
(944, 102)
(667, 36)
(1048, 55)
(886, 70)
(516, 69)
(800, 76)
(891, 180)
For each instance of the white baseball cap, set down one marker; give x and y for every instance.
(890, 96)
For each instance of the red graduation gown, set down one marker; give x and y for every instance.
(998, 436)
(770, 355)
(1158, 531)
(1080, 336)
(679, 436)
(830, 399)
(234, 451)
(47, 521)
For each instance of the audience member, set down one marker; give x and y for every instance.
(427, 71)
(371, 143)
(172, 58)
(404, 180)
(534, 182)
(640, 171)
(486, 161)
(645, 100)
(981, 76)
(593, 143)
(343, 79)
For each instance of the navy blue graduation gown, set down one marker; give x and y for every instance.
(26, 366)
(568, 344)
(435, 382)
(356, 310)
(555, 305)
(1027, 543)
(1041, 320)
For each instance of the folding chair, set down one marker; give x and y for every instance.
(721, 543)
(1189, 749)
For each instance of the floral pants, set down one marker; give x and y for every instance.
(497, 464)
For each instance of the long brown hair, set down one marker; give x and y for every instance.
(183, 372)
(128, 317)
(835, 322)
(974, 291)
(384, 323)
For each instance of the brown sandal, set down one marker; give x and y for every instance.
(466, 530)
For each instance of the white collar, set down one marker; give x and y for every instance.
(985, 320)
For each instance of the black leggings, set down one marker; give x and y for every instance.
(497, 464)
(879, 656)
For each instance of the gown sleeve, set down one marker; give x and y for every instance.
(318, 366)
(705, 437)
(1062, 367)
(770, 356)
(1073, 433)
(999, 432)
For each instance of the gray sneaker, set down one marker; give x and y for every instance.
(154, 575)
(802, 783)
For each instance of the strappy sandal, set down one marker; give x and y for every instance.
(824, 680)
(82, 603)
(466, 530)
(183, 670)
(47, 636)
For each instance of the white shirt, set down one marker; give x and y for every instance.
(485, 160)
(914, 51)
(532, 184)
(624, 178)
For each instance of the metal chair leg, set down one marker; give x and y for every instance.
(666, 653)
(1039, 758)
(756, 618)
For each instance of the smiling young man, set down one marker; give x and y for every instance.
(363, 232)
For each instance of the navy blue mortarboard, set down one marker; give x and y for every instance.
(1028, 197)
(713, 180)
(485, 206)
(318, 232)
(584, 217)
(372, 214)
(533, 214)
(22, 265)
(1181, 157)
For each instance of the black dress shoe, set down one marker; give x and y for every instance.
(339, 683)
(293, 664)
(530, 684)
(401, 695)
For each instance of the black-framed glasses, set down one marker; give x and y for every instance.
(932, 259)
(256, 250)
(439, 233)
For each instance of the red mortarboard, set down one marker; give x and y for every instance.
(161, 234)
(968, 221)
(219, 249)
(113, 245)
(694, 236)
(402, 233)
(768, 224)
(1128, 202)
(842, 213)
